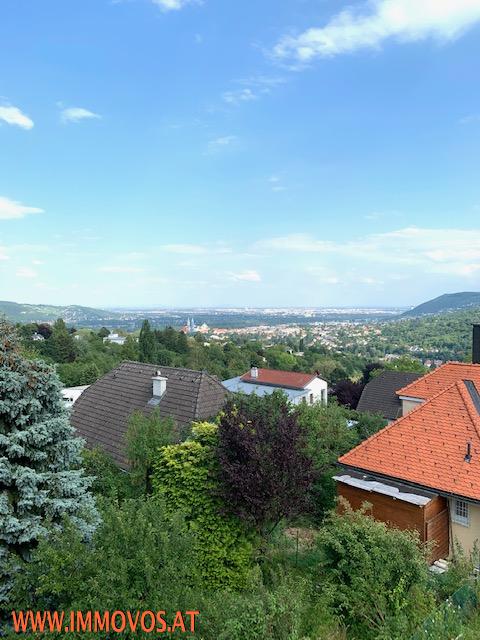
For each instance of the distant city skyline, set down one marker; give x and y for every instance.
(283, 153)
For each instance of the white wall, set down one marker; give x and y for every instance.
(317, 388)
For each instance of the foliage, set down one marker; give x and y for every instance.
(108, 480)
(39, 455)
(146, 434)
(348, 393)
(264, 471)
(376, 577)
(367, 424)
(403, 363)
(138, 559)
(60, 347)
(186, 477)
(146, 343)
(328, 437)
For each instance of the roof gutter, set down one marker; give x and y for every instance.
(414, 485)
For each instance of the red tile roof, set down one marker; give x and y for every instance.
(287, 379)
(427, 447)
(441, 378)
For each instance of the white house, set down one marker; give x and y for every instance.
(298, 387)
(114, 338)
(72, 394)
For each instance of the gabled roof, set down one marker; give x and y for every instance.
(102, 412)
(427, 447)
(435, 381)
(287, 379)
(379, 395)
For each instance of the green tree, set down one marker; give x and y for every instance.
(61, 345)
(328, 437)
(103, 332)
(376, 578)
(146, 434)
(146, 343)
(39, 455)
(186, 476)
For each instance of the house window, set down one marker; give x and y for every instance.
(460, 512)
(311, 398)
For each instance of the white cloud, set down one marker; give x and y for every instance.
(76, 114)
(26, 272)
(196, 249)
(185, 249)
(246, 276)
(120, 269)
(11, 209)
(239, 96)
(370, 24)
(447, 251)
(13, 115)
(174, 5)
(221, 143)
(3, 254)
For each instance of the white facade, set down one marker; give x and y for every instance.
(72, 394)
(315, 391)
(114, 338)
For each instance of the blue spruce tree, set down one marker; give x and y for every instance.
(40, 479)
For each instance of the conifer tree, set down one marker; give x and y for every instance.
(146, 343)
(40, 478)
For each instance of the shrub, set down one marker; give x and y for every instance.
(186, 477)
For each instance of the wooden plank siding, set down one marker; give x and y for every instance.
(431, 521)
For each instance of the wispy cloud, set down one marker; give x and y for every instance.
(15, 117)
(26, 272)
(470, 119)
(3, 254)
(276, 183)
(76, 114)
(216, 144)
(174, 5)
(246, 276)
(370, 24)
(196, 249)
(239, 96)
(120, 269)
(252, 89)
(448, 251)
(12, 210)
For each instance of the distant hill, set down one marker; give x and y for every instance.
(445, 303)
(16, 312)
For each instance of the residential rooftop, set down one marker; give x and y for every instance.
(435, 446)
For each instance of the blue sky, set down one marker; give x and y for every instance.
(277, 152)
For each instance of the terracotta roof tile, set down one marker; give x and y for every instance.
(288, 379)
(427, 446)
(441, 378)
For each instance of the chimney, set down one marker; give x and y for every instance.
(253, 371)
(159, 384)
(476, 344)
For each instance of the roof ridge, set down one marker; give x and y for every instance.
(159, 366)
(396, 422)
(426, 375)
(431, 373)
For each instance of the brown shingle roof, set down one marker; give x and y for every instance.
(102, 412)
(379, 395)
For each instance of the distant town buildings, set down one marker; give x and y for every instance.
(190, 327)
